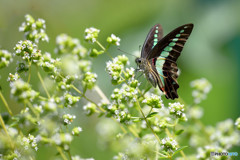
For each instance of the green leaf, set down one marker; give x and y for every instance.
(179, 132)
(137, 119)
(101, 114)
(179, 149)
(151, 114)
(162, 157)
(162, 154)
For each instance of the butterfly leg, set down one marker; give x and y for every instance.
(162, 76)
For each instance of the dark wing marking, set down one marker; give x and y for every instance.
(165, 55)
(172, 43)
(170, 73)
(167, 76)
(149, 42)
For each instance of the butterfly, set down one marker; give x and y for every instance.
(159, 55)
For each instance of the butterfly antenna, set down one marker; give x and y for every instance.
(126, 52)
(140, 48)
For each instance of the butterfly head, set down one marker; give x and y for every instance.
(138, 61)
(142, 64)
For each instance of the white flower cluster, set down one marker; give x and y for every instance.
(177, 109)
(63, 139)
(160, 123)
(68, 118)
(195, 112)
(91, 34)
(48, 63)
(237, 123)
(126, 93)
(76, 130)
(225, 135)
(122, 116)
(34, 30)
(70, 100)
(13, 77)
(89, 108)
(67, 44)
(29, 141)
(121, 156)
(201, 88)
(22, 91)
(114, 68)
(153, 100)
(49, 105)
(169, 144)
(130, 71)
(28, 51)
(92, 75)
(114, 40)
(90, 79)
(5, 58)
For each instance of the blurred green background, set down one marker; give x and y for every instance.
(212, 50)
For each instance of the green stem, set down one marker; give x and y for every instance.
(133, 131)
(149, 126)
(101, 94)
(5, 130)
(42, 98)
(69, 154)
(103, 48)
(5, 104)
(150, 110)
(162, 155)
(61, 153)
(44, 87)
(77, 90)
(33, 109)
(157, 148)
(29, 75)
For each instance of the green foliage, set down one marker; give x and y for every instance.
(135, 124)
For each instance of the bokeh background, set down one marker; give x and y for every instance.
(212, 50)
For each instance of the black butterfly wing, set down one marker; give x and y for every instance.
(164, 56)
(153, 37)
(175, 40)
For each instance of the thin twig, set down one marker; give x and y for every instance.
(101, 94)
(5, 130)
(61, 153)
(149, 126)
(44, 87)
(29, 74)
(5, 104)
(104, 49)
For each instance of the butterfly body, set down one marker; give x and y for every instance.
(159, 55)
(145, 66)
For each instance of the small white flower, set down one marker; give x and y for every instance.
(91, 34)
